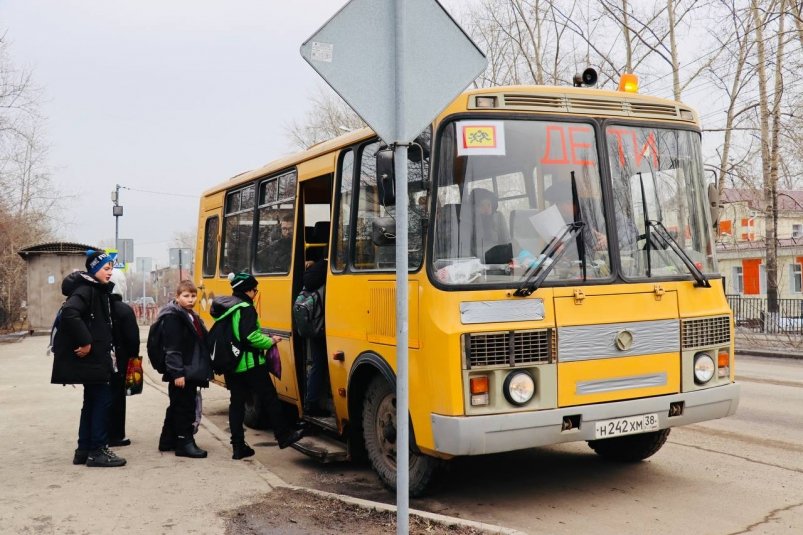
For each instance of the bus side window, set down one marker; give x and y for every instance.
(275, 224)
(341, 238)
(210, 246)
(368, 209)
(237, 227)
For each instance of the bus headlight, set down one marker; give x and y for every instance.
(519, 387)
(704, 368)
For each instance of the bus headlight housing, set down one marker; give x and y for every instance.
(704, 368)
(519, 387)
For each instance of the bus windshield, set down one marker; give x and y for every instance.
(506, 190)
(657, 178)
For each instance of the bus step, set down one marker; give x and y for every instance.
(325, 422)
(322, 448)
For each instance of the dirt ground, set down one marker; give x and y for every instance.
(297, 512)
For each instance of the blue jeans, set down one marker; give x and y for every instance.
(318, 373)
(93, 431)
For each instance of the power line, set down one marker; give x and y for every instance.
(161, 192)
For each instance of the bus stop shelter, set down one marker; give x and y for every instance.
(48, 264)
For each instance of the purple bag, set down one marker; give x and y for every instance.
(274, 361)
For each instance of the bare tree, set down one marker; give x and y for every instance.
(328, 117)
(27, 198)
(769, 123)
(732, 74)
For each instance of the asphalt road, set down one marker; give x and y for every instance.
(742, 474)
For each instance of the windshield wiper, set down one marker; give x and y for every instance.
(549, 257)
(652, 226)
(661, 232)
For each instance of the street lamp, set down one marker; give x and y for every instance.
(117, 211)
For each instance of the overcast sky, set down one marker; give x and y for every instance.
(169, 96)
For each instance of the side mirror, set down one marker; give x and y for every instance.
(713, 203)
(419, 149)
(385, 179)
(383, 231)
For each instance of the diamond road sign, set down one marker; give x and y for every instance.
(397, 86)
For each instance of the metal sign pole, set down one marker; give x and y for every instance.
(352, 53)
(144, 315)
(402, 336)
(402, 331)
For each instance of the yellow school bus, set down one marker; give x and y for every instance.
(562, 278)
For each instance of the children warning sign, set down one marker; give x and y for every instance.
(476, 138)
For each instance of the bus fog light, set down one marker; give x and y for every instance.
(519, 387)
(479, 399)
(724, 372)
(704, 368)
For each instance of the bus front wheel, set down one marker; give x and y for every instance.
(379, 433)
(630, 448)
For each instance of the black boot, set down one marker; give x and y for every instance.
(167, 442)
(80, 456)
(290, 437)
(188, 448)
(104, 457)
(241, 450)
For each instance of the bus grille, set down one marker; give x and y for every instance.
(705, 332)
(509, 348)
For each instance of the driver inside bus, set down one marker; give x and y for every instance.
(483, 230)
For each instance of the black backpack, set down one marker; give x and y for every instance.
(54, 330)
(156, 350)
(224, 340)
(308, 313)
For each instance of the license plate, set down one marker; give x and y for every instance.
(629, 425)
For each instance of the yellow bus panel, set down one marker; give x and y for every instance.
(613, 379)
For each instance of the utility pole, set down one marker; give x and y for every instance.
(117, 211)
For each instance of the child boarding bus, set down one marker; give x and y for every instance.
(562, 286)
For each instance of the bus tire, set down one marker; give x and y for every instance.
(255, 417)
(630, 448)
(379, 434)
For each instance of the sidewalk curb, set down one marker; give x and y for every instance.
(274, 481)
(769, 353)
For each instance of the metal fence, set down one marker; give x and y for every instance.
(750, 314)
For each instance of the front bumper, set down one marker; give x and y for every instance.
(478, 435)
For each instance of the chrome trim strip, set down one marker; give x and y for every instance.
(501, 311)
(494, 433)
(588, 342)
(623, 383)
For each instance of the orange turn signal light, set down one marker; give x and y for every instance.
(628, 83)
(723, 358)
(479, 385)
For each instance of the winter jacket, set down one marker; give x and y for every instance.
(125, 331)
(85, 319)
(246, 323)
(186, 353)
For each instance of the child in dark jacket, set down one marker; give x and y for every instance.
(188, 367)
(82, 354)
(126, 346)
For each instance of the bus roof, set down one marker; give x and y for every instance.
(571, 101)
